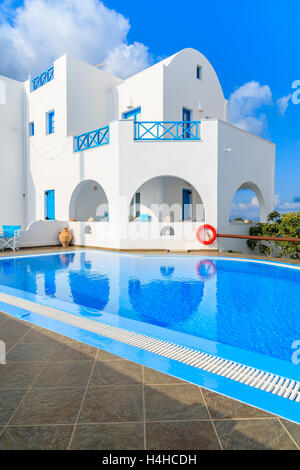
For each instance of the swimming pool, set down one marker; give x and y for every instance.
(239, 310)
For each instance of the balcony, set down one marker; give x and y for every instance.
(91, 139)
(43, 78)
(143, 131)
(167, 130)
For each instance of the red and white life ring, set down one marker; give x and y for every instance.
(206, 234)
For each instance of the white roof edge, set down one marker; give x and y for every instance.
(243, 130)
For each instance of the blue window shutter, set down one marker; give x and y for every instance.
(50, 124)
(186, 204)
(50, 204)
(31, 129)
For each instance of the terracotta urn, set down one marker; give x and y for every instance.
(65, 237)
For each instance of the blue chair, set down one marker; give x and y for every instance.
(9, 237)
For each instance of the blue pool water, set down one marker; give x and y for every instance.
(247, 305)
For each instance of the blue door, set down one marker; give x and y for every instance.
(187, 204)
(186, 117)
(50, 204)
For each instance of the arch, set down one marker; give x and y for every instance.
(89, 201)
(190, 52)
(167, 231)
(254, 208)
(162, 199)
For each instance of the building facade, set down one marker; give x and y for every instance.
(140, 163)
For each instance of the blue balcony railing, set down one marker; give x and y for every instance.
(43, 78)
(91, 139)
(167, 130)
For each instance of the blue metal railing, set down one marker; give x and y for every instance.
(167, 130)
(91, 139)
(43, 78)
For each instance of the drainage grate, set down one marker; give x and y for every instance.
(251, 376)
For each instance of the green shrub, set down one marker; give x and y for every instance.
(278, 225)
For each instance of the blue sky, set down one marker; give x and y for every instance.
(246, 41)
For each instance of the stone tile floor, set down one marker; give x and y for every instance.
(57, 393)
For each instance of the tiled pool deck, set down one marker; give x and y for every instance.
(57, 393)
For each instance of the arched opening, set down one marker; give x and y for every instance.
(247, 205)
(167, 231)
(89, 203)
(166, 199)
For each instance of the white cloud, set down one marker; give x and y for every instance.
(283, 103)
(276, 199)
(286, 206)
(253, 204)
(245, 103)
(289, 206)
(42, 30)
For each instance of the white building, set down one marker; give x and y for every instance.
(164, 161)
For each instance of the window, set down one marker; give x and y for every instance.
(132, 114)
(199, 72)
(50, 122)
(187, 204)
(31, 129)
(50, 204)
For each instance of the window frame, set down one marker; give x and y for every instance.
(199, 72)
(137, 200)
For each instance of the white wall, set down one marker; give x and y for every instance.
(192, 161)
(123, 166)
(183, 89)
(47, 152)
(42, 233)
(251, 161)
(144, 89)
(165, 88)
(12, 158)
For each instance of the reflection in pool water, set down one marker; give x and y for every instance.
(164, 303)
(206, 269)
(167, 270)
(255, 307)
